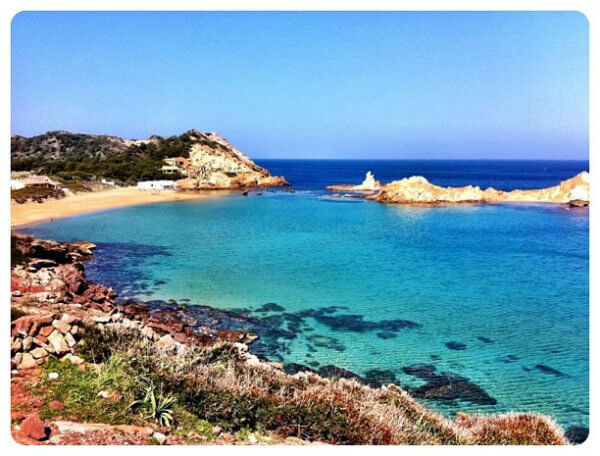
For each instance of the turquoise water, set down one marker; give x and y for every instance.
(505, 286)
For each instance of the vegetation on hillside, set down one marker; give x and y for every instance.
(71, 156)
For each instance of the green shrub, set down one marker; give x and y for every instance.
(156, 406)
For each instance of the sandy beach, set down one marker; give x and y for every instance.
(31, 212)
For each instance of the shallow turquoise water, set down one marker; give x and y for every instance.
(515, 276)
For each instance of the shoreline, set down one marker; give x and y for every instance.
(22, 215)
(62, 308)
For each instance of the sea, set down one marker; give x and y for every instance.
(479, 308)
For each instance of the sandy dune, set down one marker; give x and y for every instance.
(31, 212)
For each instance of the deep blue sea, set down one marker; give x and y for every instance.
(492, 298)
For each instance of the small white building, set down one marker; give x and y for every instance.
(16, 184)
(157, 185)
(107, 182)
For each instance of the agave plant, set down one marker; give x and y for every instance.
(155, 406)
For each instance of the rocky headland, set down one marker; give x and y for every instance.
(215, 164)
(199, 160)
(418, 190)
(68, 332)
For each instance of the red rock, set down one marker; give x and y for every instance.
(22, 324)
(45, 331)
(181, 338)
(70, 319)
(462, 416)
(33, 427)
(40, 321)
(56, 405)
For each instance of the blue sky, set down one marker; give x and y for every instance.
(312, 85)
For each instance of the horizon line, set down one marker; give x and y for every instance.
(428, 159)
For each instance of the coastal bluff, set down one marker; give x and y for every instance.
(418, 190)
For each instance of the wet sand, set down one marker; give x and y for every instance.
(32, 212)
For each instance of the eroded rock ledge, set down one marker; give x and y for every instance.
(418, 190)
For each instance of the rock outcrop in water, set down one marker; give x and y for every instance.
(367, 185)
(418, 190)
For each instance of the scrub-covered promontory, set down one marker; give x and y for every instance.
(196, 160)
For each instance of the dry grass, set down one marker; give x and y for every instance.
(215, 384)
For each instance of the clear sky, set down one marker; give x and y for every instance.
(312, 85)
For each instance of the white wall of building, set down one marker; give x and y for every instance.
(16, 184)
(157, 185)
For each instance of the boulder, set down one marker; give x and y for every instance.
(70, 340)
(70, 319)
(160, 438)
(166, 342)
(16, 345)
(58, 343)
(39, 321)
(73, 359)
(26, 361)
(62, 326)
(34, 428)
(45, 331)
(21, 325)
(27, 343)
(39, 352)
(56, 405)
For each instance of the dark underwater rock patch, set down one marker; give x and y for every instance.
(357, 323)
(119, 265)
(577, 434)
(424, 372)
(446, 386)
(335, 372)
(510, 358)
(381, 376)
(385, 335)
(270, 307)
(485, 340)
(453, 345)
(548, 370)
(294, 368)
(326, 342)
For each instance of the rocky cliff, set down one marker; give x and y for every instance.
(418, 190)
(216, 164)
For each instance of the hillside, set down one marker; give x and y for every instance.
(71, 156)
